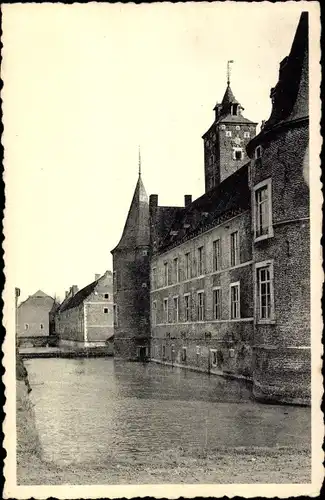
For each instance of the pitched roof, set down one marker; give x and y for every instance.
(229, 97)
(136, 229)
(39, 293)
(290, 96)
(231, 197)
(79, 297)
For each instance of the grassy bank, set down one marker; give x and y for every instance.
(234, 465)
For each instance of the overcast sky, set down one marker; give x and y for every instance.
(85, 84)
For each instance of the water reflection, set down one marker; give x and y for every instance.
(98, 410)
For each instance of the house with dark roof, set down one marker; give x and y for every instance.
(33, 320)
(85, 317)
(228, 273)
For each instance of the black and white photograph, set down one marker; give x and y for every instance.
(162, 249)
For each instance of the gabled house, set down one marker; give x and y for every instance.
(85, 317)
(33, 319)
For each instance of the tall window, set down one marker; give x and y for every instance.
(175, 310)
(200, 261)
(264, 280)
(176, 270)
(115, 313)
(216, 255)
(234, 248)
(200, 306)
(166, 310)
(263, 210)
(217, 303)
(187, 313)
(154, 278)
(165, 273)
(234, 301)
(154, 313)
(187, 266)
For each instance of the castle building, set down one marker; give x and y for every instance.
(85, 317)
(230, 271)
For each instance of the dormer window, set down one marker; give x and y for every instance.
(246, 135)
(223, 127)
(228, 133)
(234, 109)
(258, 152)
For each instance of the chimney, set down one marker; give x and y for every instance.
(187, 200)
(74, 289)
(97, 276)
(153, 202)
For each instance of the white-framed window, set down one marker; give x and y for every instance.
(115, 314)
(200, 261)
(166, 310)
(258, 152)
(217, 303)
(214, 357)
(166, 273)
(247, 135)
(216, 254)
(187, 305)
(228, 133)
(235, 300)
(144, 253)
(154, 278)
(154, 312)
(187, 266)
(237, 154)
(263, 227)
(234, 248)
(184, 354)
(176, 270)
(200, 305)
(198, 350)
(223, 127)
(231, 353)
(175, 309)
(105, 310)
(264, 291)
(237, 127)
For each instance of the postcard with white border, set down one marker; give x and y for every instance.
(162, 256)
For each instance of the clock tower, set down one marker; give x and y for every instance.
(225, 141)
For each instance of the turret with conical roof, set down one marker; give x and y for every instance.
(225, 141)
(131, 280)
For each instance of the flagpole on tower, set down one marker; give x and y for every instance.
(228, 71)
(139, 162)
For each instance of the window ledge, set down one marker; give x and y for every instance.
(263, 237)
(265, 322)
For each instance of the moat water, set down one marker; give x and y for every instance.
(99, 410)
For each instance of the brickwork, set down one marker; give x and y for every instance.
(223, 334)
(90, 321)
(131, 295)
(287, 377)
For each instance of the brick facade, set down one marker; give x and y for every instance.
(86, 318)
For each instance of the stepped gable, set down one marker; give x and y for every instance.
(136, 229)
(229, 198)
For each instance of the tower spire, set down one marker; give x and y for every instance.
(228, 71)
(139, 162)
